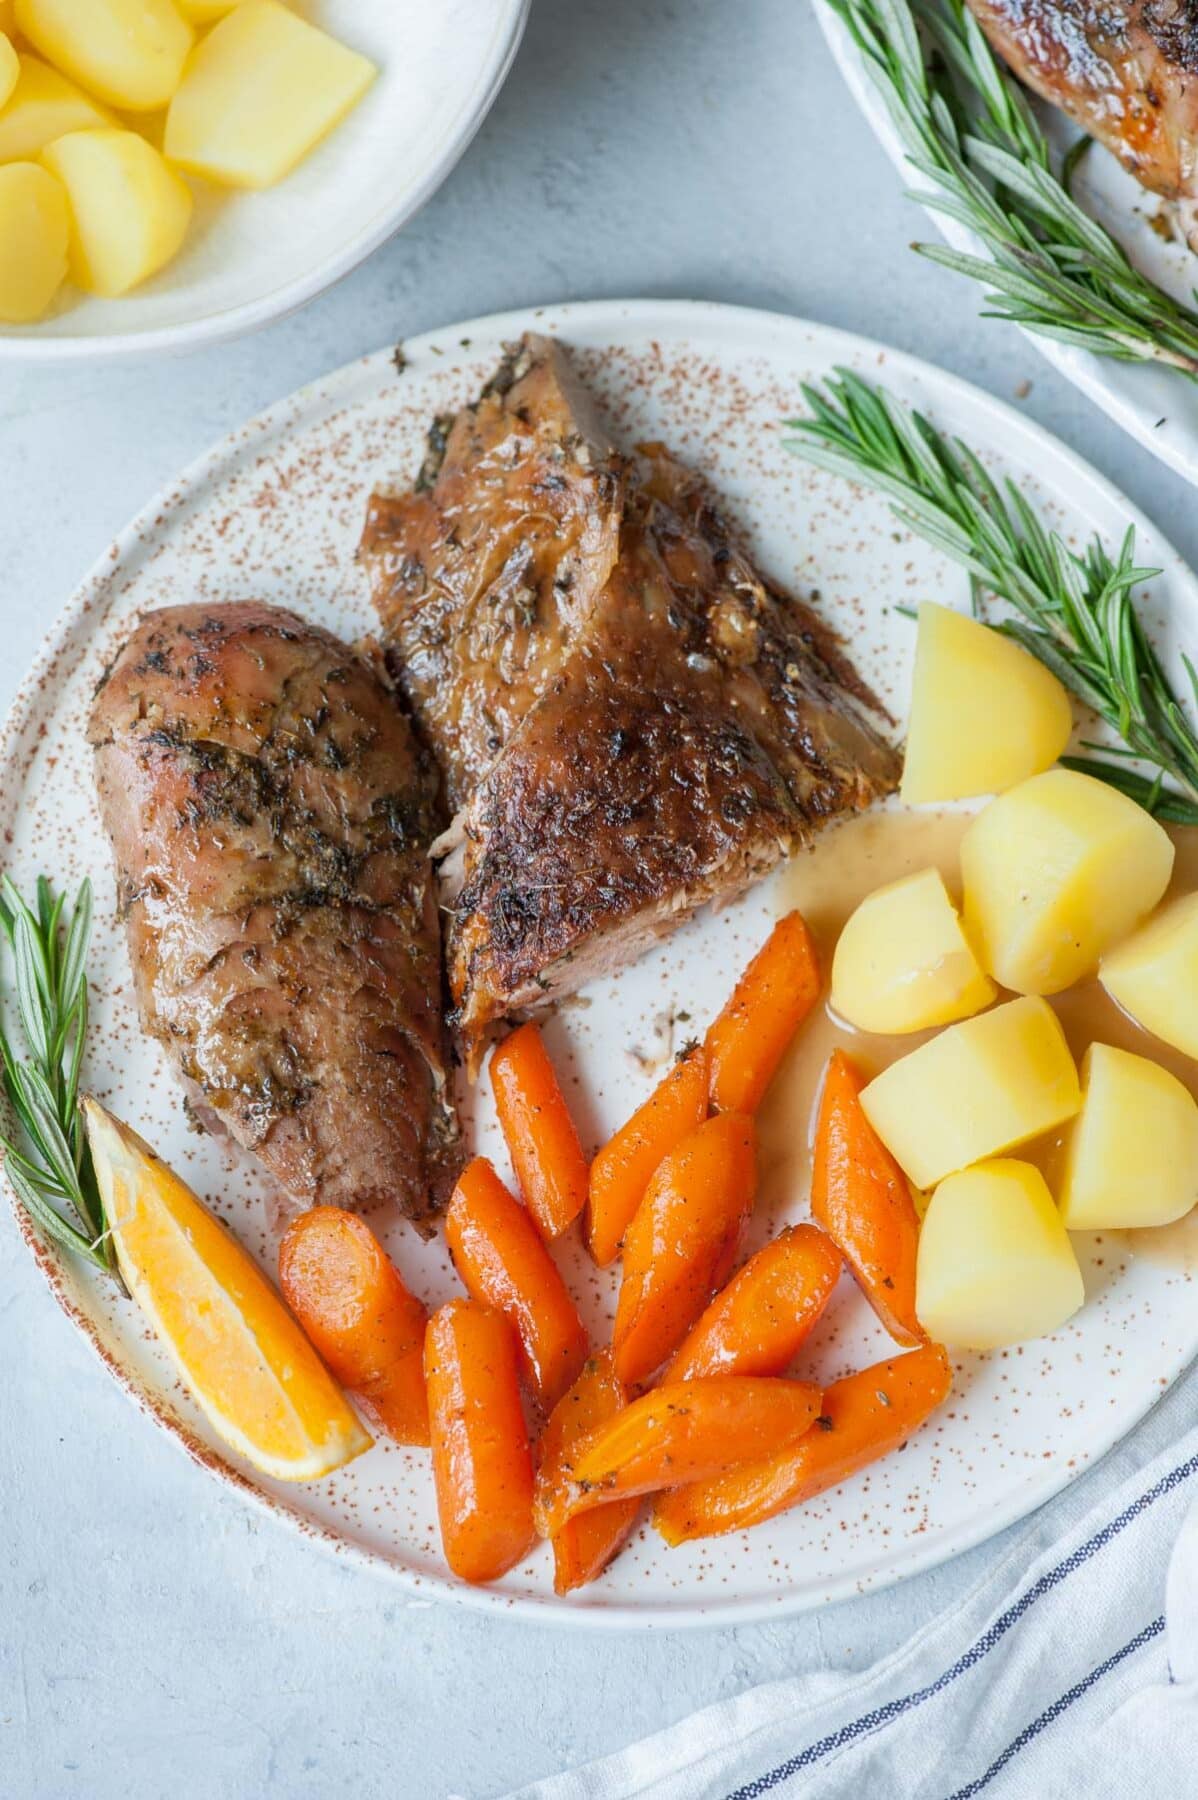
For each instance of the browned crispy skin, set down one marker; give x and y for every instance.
(1125, 70)
(270, 814)
(683, 750)
(485, 572)
(680, 732)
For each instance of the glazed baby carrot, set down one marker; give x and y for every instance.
(540, 1134)
(584, 1546)
(345, 1291)
(861, 1198)
(682, 1431)
(756, 1325)
(862, 1418)
(682, 1242)
(621, 1171)
(481, 1461)
(503, 1262)
(746, 1042)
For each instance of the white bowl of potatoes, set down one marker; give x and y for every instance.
(176, 172)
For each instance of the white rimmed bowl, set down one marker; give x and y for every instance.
(250, 258)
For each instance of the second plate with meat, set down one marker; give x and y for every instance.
(275, 516)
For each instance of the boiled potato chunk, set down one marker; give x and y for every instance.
(10, 68)
(984, 713)
(43, 106)
(977, 1089)
(994, 1265)
(203, 12)
(1131, 1157)
(903, 963)
(129, 210)
(127, 52)
(1154, 975)
(1055, 871)
(34, 228)
(262, 88)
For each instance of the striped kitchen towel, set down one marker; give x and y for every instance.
(1069, 1673)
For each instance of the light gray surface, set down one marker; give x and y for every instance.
(155, 1636)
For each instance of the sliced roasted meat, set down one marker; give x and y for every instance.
(270, 814)
(1125, 70)
(685, 728)
(484, 573)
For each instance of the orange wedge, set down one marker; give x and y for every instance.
(240, 1353)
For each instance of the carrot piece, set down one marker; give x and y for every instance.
(482, 1466)
(503, 1261)
(768, 1309)
(862, 1418)
(623, 1168)
(540, 1134)
(347, 1294)
(584, 1546)
(746, 1042)
(683, 1241)
(682, 1431)
(861, 1198)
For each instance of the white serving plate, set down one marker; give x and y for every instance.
(1158, 406)
(250, 258)
(275, 512)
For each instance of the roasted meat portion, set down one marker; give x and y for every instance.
(1125, 70)
(674, 725)
(486, 571)
(270, 814)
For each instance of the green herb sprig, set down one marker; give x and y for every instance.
(1074, 613)
(967, 128)
(48, 1161)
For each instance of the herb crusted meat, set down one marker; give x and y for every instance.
(270, 815)
(651, 728)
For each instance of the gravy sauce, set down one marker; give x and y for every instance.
(826, 883)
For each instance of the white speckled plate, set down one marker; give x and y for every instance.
(1157, 406)
(275, 511)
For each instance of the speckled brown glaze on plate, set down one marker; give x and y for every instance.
(275, 512)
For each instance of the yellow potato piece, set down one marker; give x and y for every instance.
(1132, 1152)
(1056, 871)
(984, 713)
(129, 210)
(34, 228)
(8, 19)
(903, 963)
(10, 68)
(979, 1088)
(240, 1354)
(43, 106)
(1154, 975)
(129, 53)
(995, 1265)
(262, 88)
(203, 12)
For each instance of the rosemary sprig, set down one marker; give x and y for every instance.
(48, 1161)
(967, 128)
(1074, 613)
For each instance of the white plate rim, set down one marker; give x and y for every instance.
(235, 321)
(1171, 443)
(639, 315)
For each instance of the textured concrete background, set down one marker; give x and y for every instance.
(156, 1637)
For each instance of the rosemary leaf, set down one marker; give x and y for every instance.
(47, 1162)
(1074, 613)
(969, 132)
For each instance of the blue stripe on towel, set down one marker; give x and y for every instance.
(893, 1709)
(1052, 1713)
